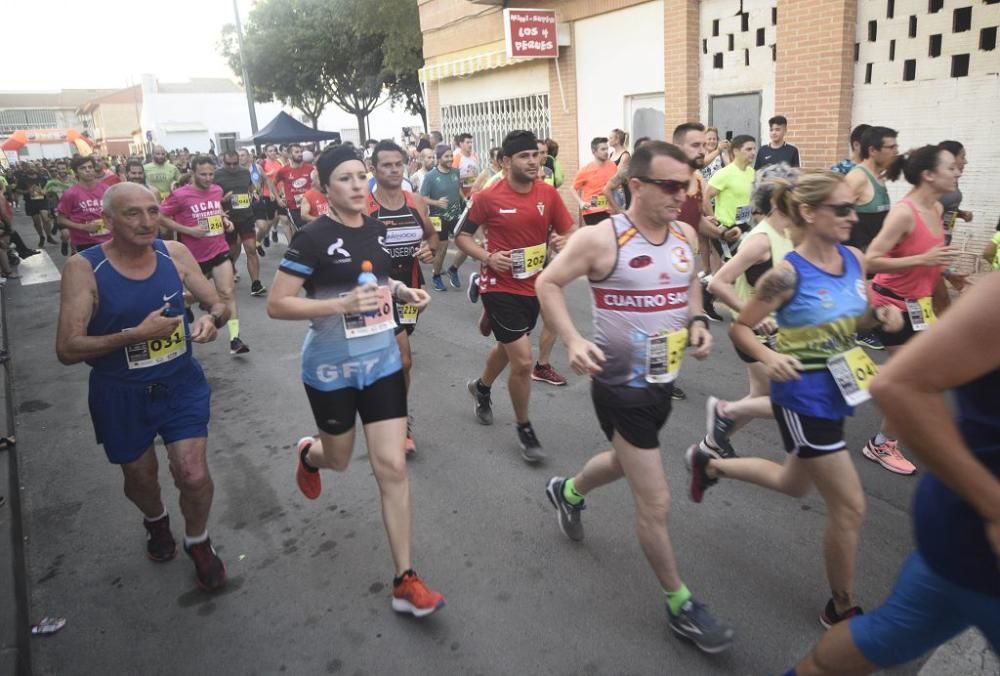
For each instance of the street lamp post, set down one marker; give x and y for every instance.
(243, 64)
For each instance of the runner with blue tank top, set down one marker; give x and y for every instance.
(122, 311)
(952, 580)
(647, 309)
(351, 363)
(817, 373)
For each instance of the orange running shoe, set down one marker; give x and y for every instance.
(308, 479)
(411, 595)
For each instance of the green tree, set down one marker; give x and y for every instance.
(309, 53)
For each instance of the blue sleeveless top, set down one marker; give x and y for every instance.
(951, 535)
(123, 303)
(819, 322)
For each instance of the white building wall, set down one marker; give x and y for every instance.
(618, 55)
(735, 77)
(935, 106)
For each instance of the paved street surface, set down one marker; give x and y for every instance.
(310, 581)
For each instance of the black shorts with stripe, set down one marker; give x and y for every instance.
(807, 436)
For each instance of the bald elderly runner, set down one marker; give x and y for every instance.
(122, 312)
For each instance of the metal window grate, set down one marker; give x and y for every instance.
(490, 121)
(12, 120)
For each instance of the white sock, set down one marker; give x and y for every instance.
(879, 439)
(196, 540)
(148, 520)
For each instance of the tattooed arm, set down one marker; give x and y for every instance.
(773, 290)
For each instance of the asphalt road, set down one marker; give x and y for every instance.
(310, 581)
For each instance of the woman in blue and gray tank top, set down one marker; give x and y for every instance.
(817, 373)
(952, 580)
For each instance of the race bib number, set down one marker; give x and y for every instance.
(949, 220)
(743, 214)
(664, 354)
(853, 372)
(241, 200)
(599, 201)
(436, 223)
(359, 325)
(158, 350)
(102, 229)
(407, 313)
(527, 262)
(213, 224)
(921, 313)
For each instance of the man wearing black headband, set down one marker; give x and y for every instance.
(517, 216)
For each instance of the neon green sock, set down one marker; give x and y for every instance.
(569, 492)
(676, 599)
(234, 328)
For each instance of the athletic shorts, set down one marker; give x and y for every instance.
(265, 209)
(636, 413)
(807, 436)
(32, 207)
(923, 611)
(596, 217)
(335, 411)
(128, 417)
(447, 229)
(511, 315)
(900, 337)
(242, 230)
(295, 216)
(213, 263)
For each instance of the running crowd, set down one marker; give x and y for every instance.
(816, 267)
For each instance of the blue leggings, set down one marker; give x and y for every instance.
(923, 611)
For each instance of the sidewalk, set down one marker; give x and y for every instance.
(968, 654)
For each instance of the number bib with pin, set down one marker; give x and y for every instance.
(527, 262)
(158, 350)
(599, 201)
(407, 313)
(853, 372)
(358, 325)
(921, 313)
(241, 200)
(664, 354)
(436, 223)
(213, 224)
(102, 229)
(743, 214)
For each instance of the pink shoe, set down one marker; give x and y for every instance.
(887, 454)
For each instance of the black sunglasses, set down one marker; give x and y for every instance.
(842, 209)
(668, 185)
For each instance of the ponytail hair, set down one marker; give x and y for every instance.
(812, 188)
(914, 162)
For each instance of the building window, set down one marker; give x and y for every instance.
(991, 2)
(857, 51)
(760, 37)
(934, 6)
(732, 42)
(890, 9)
(961, 20)
(746, 57)
(960, 65)
(872, 31)
(226, 142)
(935, 49)
(774, 16)
(704, 46)
(988, 39)
(909, 70)
(913, 26)
(774, 52)
(715, 28)
(744, 22)
(717, 60)
(489, 121)
(868, 73)
(892, 50)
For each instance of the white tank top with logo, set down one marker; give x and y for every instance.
(641, 308)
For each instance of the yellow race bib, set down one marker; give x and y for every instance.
(921, 313)
(102, 229)
(853, 372)
(664, 354)
(213, 224)
(527, 262)
(241, 200)
(158, 350)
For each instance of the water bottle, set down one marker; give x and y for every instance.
(367, 277)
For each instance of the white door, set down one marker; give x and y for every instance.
(644, 116)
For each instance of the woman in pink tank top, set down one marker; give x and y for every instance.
(909, 257)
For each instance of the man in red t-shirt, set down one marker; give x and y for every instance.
(293, 181)
(521, 218)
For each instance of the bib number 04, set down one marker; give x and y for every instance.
(853, 372)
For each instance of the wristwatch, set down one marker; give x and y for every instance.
(703, 318)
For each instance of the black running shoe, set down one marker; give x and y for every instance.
(274, 236)
(160, 544)
(568, 515)
(696, 624)
(64, 248)
(208, 567)
(237, 346)
(697, 464)
(484, 405)
(717, 431)
(257, 289)
(260, 250)
(531, 448)
(677, 394)
(830, 616)
(869, 340)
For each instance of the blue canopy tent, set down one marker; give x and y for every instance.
(286, 129)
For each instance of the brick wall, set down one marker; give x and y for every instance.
(680, 63)
(563, 120)
(815, 75)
